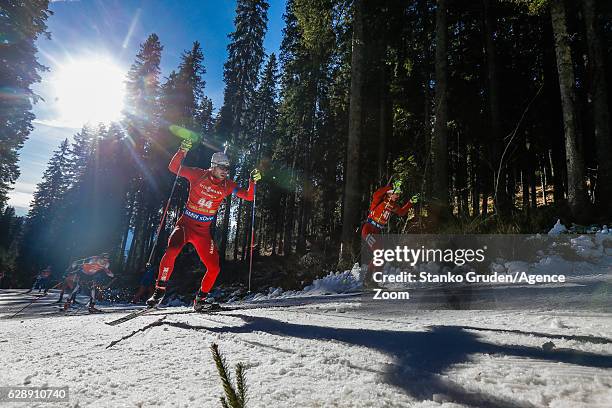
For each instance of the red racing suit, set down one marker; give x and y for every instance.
(206, 193)
(381, 209)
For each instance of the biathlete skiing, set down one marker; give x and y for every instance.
(207, 189)
(42, 280)
(87, 272)
(384, 203)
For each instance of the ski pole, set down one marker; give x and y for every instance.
(161, 223)
(32, 302)
(252, 235)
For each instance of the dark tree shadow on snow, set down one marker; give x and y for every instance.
(421, 358)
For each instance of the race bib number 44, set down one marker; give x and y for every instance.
(204, 203)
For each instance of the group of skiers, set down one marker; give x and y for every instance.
(207, 190)
(88, 273)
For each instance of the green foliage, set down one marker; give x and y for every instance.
(315, 21)
(10, 232)
(406, 169)
(534, 7)
(240, 73)
(235, 396)
(21, 23)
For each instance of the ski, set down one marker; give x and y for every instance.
(210, 307)
(215, 307)
(130, 316)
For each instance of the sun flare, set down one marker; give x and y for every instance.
(89, 90)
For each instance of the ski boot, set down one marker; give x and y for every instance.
(91, 305)
(200, 304)
(157, 297)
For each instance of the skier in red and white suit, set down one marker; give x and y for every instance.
(384, 203)
(207, 190)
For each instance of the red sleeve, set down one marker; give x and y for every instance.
(378, 196)
(246, 194)
(188, 172)
(402, 211)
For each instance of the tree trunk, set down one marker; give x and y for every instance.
(439, 146)
(352, 194)
(557, 172)
(533, 181)
(485, 204)
(502, 202)
(288, 232)
(543, 181)
(238, 229)
(573, 154)
(300, 244)
(246, 235)
(601, 113)
(462, 176)
(225, 227)
(278, 221)
(475, 180)
(384, 122)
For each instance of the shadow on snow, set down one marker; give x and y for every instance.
(421, 358)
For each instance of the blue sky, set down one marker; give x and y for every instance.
(116, 28)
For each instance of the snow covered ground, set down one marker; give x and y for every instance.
(315, 351)
(331, 346)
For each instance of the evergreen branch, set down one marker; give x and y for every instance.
(230, 393)
(241, 383)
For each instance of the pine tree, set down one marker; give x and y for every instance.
(265, 107)
(245, 55)
(142, 121)
(42, 229)
(240, 73)
(142, 87)
(352, 190)
(601, 111)
(51, 190)
(10, 232)
(190, 86)
(439, 142)
(576, 194)
(21, 23)
(80, 154)
(204, 117)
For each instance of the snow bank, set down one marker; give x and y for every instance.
(557, 229)
(333, 283)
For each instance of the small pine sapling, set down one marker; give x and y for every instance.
(235, 396)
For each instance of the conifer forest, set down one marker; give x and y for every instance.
(496, 113)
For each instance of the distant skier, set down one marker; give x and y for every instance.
(42, 280)
(384, 203)
(87, 272)
(207, 189)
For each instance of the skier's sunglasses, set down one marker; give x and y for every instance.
(224, 168)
